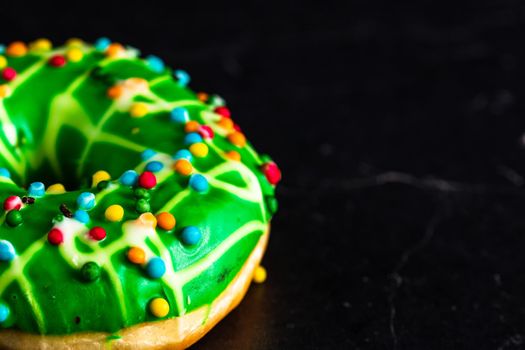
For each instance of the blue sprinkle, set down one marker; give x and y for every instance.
(192, 138)
(82, 216)
(86, 200)
(4, 312)
(37, 189)
(198, 182)
(4, 172)
(180, 115)
(182, 76)
(156, 268)
(129, 178)
(147, 154)
(102, 44)
(183, 154)
(154, 166)
(7, 251)
(191, 235)
(155, 63)
(2, 48)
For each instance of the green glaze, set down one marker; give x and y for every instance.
(59, 126)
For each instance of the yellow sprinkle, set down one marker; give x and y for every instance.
(259, 275)
(5, 91)
(199, 149)
(56, 189)
(3, 62)
(159, 307)
(114, 213)
(74, 54)
(148, 219)
(74, 42)
(138, 110)
(41, 45)
(100, 175)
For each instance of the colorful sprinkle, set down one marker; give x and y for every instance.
(259, 275)
(206, 132)
(90, 271)
(202, 96)
(155, 63)
(3, 62)
(7, 251)
(55, 236)
(41, 44)
(8, 74)
(37, 189)
(147, 154)
(2, 48)
(74, 42)
(115, 50)
(192, 126)
(166, 221)
(141, 193)
(216, 100)
(147, 180)
(16, 49)
(86, 200)
(233, 155)
(100, 175)
(82, 216)
(182, 76)
(57, 61)
(13, 218)
(155, 268)
(74, 54)
(154, 166)
(5, 91)
(142, 206)
(97, 233)
(192, 138)
(129, 178)
(139, 110)
(5, 173)
(272, 173)
(13, 203)
(191, 235)
(223, 111)
(198, 183)
(115, 92)
(237, 138)
(183, 167)
(183, 154)
(148, 219)
(225, 123)
(114, 213)
(199, 149)
(56, 189)
(136, 255)
(180, 115)
(102, 44)
(4, 312)
(159, 307)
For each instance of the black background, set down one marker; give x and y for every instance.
(398, 128)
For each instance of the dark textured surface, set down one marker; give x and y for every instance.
(398, 129)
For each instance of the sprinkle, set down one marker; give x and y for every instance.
(166, 221)
(115, 50)
(216, 100)
(7, 251)
(86, 200)
(2, 48)
(237, 138)
(233, 155)
(225, 123)
(57, 218)
(102, 44)
(236, 127)
(147, 180)
(179, 115)
(191, 235)
(5, 173)
(115, 92)
(3, 62)
(129, 178)
(65, 210)
(141, 193)
(147, 154)
(223, 111)
(57, 61)
(82, 216)
(156, 268)
(8, 73)
(138, 110)
(136, 255)
(74, 42)
(5, 90)
(199, 149)
(16, 49)
(90, 271)
(56, 189)
(183, 154)
(13, 203)
(155, 63)
(272, 172)
(41, 45)
(37, 189)
(159, 307)
(114, 213)
(259, 275)
(205, 131)
(154, 166)
(13, 218)
(142, 206)
(4, 312)
(202, 96)
(183, 167)
(182, 77)
(192, 126)
(74, 54)
(198, 183)
(148, 219)
(97, 233)
(55, 236)
(98, 176)
(191, 138)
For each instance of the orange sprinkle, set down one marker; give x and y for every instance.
(166, 221)
(225, 123)
(115, 50)
(183, 167)
(202, 96)
(233, 155)
(237, 138)
(148, 219)
(115, 92)
(136, 255)
(16, 49)
(191, 126)
(5, 90)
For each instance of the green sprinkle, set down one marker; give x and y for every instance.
(90, 271)
(13, 218)
(142, 206)
(141, 193)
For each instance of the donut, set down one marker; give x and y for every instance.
(135, 211)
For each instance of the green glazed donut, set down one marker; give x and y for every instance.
(129, 200)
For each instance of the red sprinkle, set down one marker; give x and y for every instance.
(13, 203)
(55, 236)
(272, 173)
(57, 61)
(224, 111)
(8, 73)
(147, 180)
(97, 233)
(236, 127)
(206, 132)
